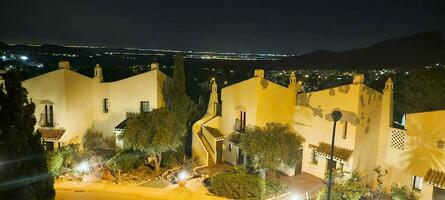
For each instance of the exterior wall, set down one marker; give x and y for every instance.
(421, 152)
(78, 100)
(199, 152)
(274, 104)
(243, 94)
(313, 122)
(367, 133)
(230, 156)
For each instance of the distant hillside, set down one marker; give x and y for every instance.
(408, 52)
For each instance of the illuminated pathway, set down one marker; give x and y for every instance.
(86, 191)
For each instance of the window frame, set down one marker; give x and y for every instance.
(415, 186)
(314, 158)
(142, 106)
(105, 105)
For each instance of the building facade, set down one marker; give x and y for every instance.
(365, 136)
(68, 103)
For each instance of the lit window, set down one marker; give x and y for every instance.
(145, 106)
(417, 183)
(314, 157)
(105, 105)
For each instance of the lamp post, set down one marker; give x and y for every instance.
(336, 115)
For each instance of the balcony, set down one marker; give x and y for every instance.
(240, 125)
(46, 120)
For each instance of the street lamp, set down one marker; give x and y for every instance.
(336, 115)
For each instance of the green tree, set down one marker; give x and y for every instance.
(23, 169)
(401, 193)
(422, 90)
(271, 146)
(154, 133)
(177, 100)
(347, 186)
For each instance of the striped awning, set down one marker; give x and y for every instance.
(51, 134)
(214, 132)
(324, 149)
(435, 178)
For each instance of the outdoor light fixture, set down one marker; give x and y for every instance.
(336, 115)
(182, 178)
(83, 167)
(182, 175)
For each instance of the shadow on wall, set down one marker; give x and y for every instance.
(425, 147)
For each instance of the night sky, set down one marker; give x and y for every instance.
(225, 26)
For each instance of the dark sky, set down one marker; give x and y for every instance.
(227, 26)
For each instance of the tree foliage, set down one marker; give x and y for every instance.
(271, 146)
(23, 171)
(421, 90)
(347, 186)
(401, 193)
(154, 133)
(178, 102)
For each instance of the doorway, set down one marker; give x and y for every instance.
(299, 165)
(438, 193)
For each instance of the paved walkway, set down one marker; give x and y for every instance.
(299, 184)
(82, 190)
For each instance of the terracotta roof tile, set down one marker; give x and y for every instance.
(435, 178)
(214, 132)
(51, 134)
(324, 149)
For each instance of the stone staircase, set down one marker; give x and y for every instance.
(210, 151)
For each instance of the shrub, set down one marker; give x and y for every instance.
(274, 188)
(92, 140)
(125, 161)
(55, 163)
(239, 185)
(70, 154)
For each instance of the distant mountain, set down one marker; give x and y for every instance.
(49, 48)
(408, 52)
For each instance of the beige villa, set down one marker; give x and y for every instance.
(68, 103)
(365, 136)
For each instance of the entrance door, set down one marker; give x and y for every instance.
(298, 167)
(219, 151)
(438, 193)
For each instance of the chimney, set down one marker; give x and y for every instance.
(259, 73)
(98, 73)
(154, 66)
(358, 78)
(63, 64)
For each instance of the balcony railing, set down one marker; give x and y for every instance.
(240, 125)
(46, 120)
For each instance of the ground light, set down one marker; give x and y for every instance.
(83, 167)
(182, 177)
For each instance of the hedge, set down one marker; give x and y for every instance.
(238, 185)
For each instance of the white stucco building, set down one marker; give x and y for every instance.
(68, 103)
(365, 137)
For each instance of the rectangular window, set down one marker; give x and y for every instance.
(145, 106)
(417, 183)
(105, 105)
(49, 117)
(345, 130)
(230, 147)
(314, 157)
(341, 166)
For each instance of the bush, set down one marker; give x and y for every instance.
(70, 154)
(125, 161)
(55, 163)
(239, 185)
(275, 188)
(92, 140)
